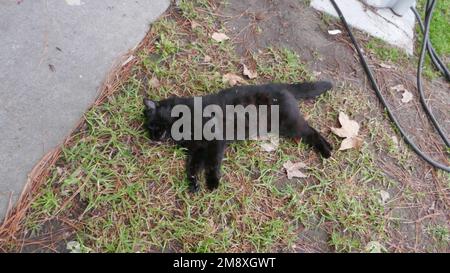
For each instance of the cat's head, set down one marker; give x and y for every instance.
(158, 120)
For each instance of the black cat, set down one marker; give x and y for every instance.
(208, 154)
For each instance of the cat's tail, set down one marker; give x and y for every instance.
(308, 90)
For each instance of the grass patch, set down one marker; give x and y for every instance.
(439, 35)
(440, 24)
(386, 52)
(126, 194)
(441, 234)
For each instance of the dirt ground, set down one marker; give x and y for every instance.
(258, 24)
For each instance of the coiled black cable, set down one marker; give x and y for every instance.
(369, 73)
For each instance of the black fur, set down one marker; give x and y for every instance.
(207, 155)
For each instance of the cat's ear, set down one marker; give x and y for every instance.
(149, 104)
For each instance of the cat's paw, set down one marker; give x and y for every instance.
(193, 188)
(325, 148)
(212, 183)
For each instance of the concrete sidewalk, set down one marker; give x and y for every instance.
(54, 54)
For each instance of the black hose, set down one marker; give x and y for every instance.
(380, 96)
(426, 35)
(439, 64)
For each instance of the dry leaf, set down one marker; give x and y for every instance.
(73, 247)
(399, 88)
(207, 59)
(219, 37)
(129, 59)
(395, 141)
(432, 207)
(351, 142)
(154, 83)
(194, 24)
(268, 147)
(232, 79)
(384, 196)
(334, 32)
(375, 247)
(349, 131)
(250, 74)
(385, 65)
(350, 128)
(271, 143)
(293, 169)
(59, 170)
(407, 96)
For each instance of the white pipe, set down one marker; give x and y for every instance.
(402, 6)
(399, 7)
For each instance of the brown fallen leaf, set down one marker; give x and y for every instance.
(194, 24)
(154, 82)
(293, 169)
(350, 128)
(395, 141)
(406, 95)
(232, 79)
(207, 59)
(59, 170)
(270, 144)
(375, 247)
(349, 131)
(383, 65)
(250, 74)
(351, 142)
(73, 247)
(219, 37)
(384, 196)
(129, 59)
(398, 88)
